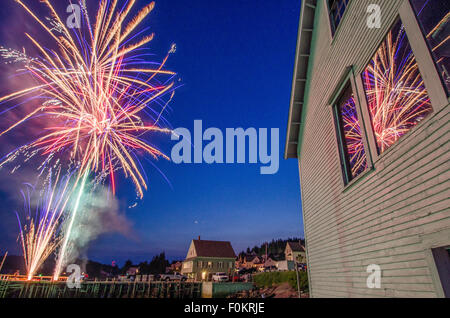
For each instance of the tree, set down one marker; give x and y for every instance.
(275, 247)
(144, 268)
(126, 267)
(158, 264)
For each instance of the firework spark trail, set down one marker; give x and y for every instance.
(39, 233)
(395, 91)
(95, 97)
(3, 260)
(62, 254)
(353, 137)
(95, 88)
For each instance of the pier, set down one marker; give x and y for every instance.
(16, 288)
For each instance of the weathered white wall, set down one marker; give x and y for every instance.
(394, 214)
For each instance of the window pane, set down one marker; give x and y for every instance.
(396, 95)
(336, 11)
(351, 137)
(434, 18)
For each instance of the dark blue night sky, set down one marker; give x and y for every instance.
(235, 60)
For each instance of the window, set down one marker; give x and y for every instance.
(187, 265)
(220, 265)
(200, 264)
(434, 19)
(336, 9)
(395, 92)
(230, 264)
(209, 264)
(441, 257)
(351, 146)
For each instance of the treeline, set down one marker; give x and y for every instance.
(275, 247)
(14, 263)
(157, 265)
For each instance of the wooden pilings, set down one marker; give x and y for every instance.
(109, 289)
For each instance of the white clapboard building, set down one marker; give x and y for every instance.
(369, 126)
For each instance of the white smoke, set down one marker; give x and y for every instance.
(99, 214)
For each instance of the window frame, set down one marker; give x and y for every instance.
(345, 165)
(427, 66)
(377, 152)
(348, 80)
(427, 69)
(440, 239)
(441, 257)
(422, 32)
(354, 74)
(333, 29)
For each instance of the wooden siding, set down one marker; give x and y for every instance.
(383, 217)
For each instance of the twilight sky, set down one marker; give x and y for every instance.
(235, 60)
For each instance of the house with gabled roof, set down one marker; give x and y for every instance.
(295, 251)
(252, 261)
(204, 258)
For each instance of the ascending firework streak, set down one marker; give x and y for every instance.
(39, 232)
(61, 256)
(3, 260)
(95, 89)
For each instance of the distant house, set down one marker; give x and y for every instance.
(133, 270)
(269, 262)
(242, 261)
(175, 266)
(252, 261)
(204, 258)
(295, 252)
(285, 265)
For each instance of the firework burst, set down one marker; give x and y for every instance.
(39, 231)
(94, 95)
(98, 97)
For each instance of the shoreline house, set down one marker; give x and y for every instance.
(249, 261)
(174, 267)
(295, 251)
(369, 124)
(252, 261)
(132, 271)
(270, 262)
(204, 258)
